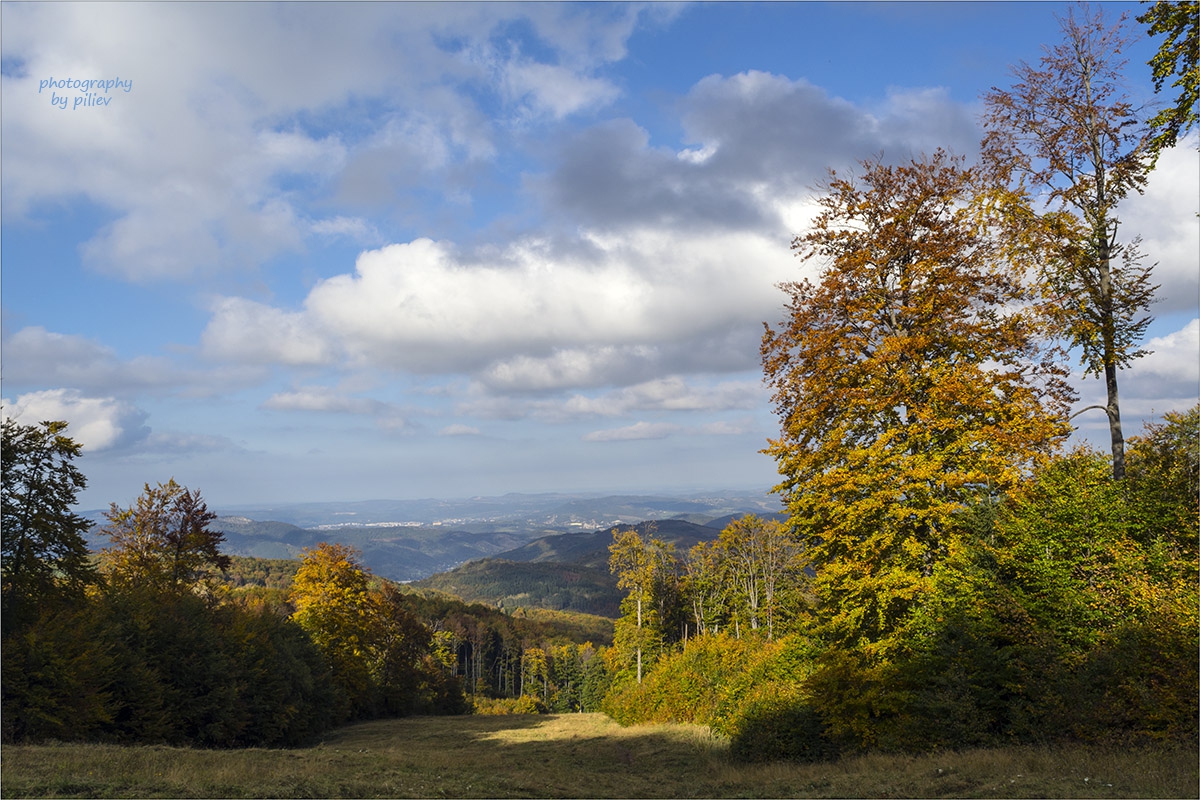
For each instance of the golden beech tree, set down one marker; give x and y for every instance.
(909, 383)
(1069, 146)
(163, 542)
(334, 604)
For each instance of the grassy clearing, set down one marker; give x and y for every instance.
(575, 755)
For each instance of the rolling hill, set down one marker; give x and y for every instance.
(563, 572)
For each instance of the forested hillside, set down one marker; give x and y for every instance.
(562, 572)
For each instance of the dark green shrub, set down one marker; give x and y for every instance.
(774, 731)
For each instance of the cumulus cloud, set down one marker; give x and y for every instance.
(668, 394)
(353, 228)
(555, 90)
(1165, 217)
(662, 430)
(321, 398)
(754, 140)
(248, 332)
(1172, 369)
(180, 443)
(97, 423)
(673, 394)
(529, 318)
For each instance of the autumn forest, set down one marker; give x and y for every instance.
(949, 572)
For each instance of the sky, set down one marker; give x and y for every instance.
(335, 252)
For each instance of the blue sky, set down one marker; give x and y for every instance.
(345, 251)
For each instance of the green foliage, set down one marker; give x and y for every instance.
(55, 674)
(1164, 487)
(1063, 546)
(503, 706)
(1123, 635)
(136, 667)
(1065, 610)
(647, 570)
(43, 555)
(751, 577)
(267, 573)
(1178, 54)
(711, 680)
(285, 686)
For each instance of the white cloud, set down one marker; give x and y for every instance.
(639, 430)
(459, 430)
(179, 443)
(568, 368)
(556, 90)
(1166, 218)
(248, 332)
(662, 430)
(321, 399)
(355, 228)
(35, 357)
(1172, 369)
(97, 423)
(1166, 380)
(727, 428)
(668, 394)
(533, 316)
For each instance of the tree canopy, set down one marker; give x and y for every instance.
(163, 541)
(1067, 138)
(909, 382)
(44, 553)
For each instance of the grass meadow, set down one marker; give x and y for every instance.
(575, 755)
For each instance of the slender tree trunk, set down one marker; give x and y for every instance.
(1114, 422)
(1108, 335)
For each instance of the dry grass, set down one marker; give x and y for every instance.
(576, 755)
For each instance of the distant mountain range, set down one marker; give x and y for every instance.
(563, 538)
(514, 512)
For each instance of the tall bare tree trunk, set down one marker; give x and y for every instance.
(1108, 332)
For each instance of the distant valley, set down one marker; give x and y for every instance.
(559, 541)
